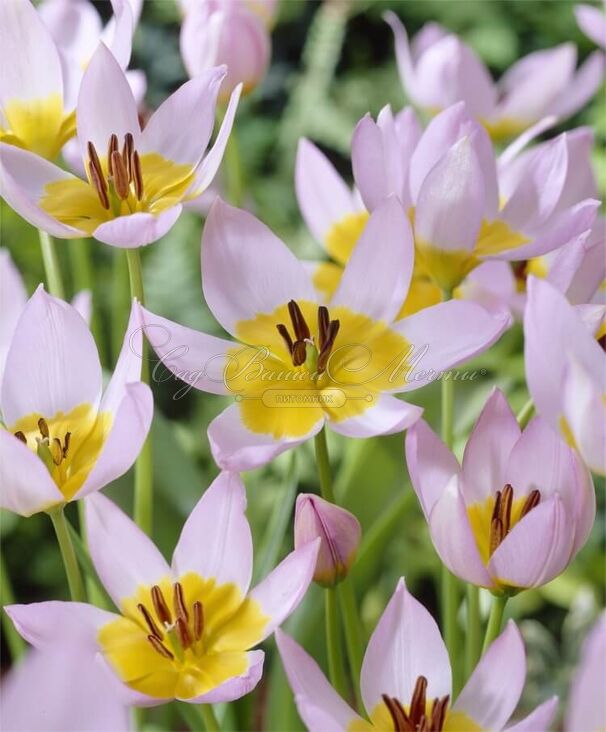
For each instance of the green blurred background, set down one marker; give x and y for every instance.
(332, 62)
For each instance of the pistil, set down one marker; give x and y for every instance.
(500, 522)
(297, 346)
(417, 719)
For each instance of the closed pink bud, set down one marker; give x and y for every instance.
(339, 532)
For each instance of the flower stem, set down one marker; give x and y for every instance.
(474, 628)
(194, 713)
(72, 570)
(51, 265)
(323, 463)
(525, 414)
(336, 671)
(143, 509)
(495, 620)
(15, 642)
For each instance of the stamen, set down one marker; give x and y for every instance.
(183, 633)
(160, 647)
(198, 620)
(283, 331)
(496, 534)
(56, 451)
(120, 175)
(423, 725)
(401, 722)
(323, 323)
(160, 606)
(298, 322)
(506, 502)
(43, 427)
(496, 511)
(99, 185)
(179, 602)
(20, 436)
(153, 628)
(331, 334)
(438, 713)
(299, 353)
(532, 501)
(137, 175)
(66, 443)
(127, 151)
(111, 149)
(417, 705)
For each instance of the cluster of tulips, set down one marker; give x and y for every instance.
(438, 249)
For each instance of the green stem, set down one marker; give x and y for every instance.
(323, 463)
(51, 265)
(473, 638)
(119, 303)
(199, 716)
(525, 414)
(495, 620)
(94, 590)
(16, 644)
(143, 509)
(336, 670)
(72, 570)
(353, 633)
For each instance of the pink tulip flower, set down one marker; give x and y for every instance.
(437, 69)
(137, 179)
(295, 364)
(566, 372)
(516, 512)
(592, 21)
(586, 709)
(63, 438)
(183, 631)
(406, 680)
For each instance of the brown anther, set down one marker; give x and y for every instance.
(299, 353)
(93, 159)
(496, 509)
(496, 534)
(56, 451)
(20, 436)
(423, 725)
(183, 633)
(120, 175)
(506, 503)
(160, 647)
(179, 602)
(43, 427)
(111, 149)
(160, 606)
(532, 501)
(323, 323)
(401, 721)
(198, 620)
(298, 322)
(127, 152)
(283, 331)
(149, 621)
(137, 175)
(326, 348)
(99, 185)
(66, 442)
(417, 704)
(438, 713)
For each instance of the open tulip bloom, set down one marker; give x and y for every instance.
(516, 512)
(184, 631)
(438, 69)
(296, 365)
(137, 180)
(406, 680)
(62, 438)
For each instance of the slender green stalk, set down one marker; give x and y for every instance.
(119, 303)
(72, 570)
(495, 620)
(525, 414)
(199, 716)
(323, 463)
(143, 509)
(94, 590)
(15, 642)
(473, 639)
(52, 269)
(353, 633)
(233, 170)
(336, 670)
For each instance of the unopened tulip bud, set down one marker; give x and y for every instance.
(339, 532)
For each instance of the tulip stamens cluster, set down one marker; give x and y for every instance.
(417, 719)
(327, 333)
(52, 451)
(124, 178)
(181, 634)
(500, 522)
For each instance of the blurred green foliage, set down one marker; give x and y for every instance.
(332, 63)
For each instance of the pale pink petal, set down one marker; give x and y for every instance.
(13, 297)
(280, 593)
(429, 34)
(387, 416)
(219, 520)
(405, 644)
(580, 181)
(592, 269)
(26, 486)
(431, 464)
(368, 161)
(488, 448)
(74, 26)
(263, 273)
(582, 88)
(485, 698)
(311, 688)
(83, 302)
(323, 196)
(124, 557)
(539, 720)
(586, 709)
(138, 229)
(384, 253)
(403, 54)
(592, 21)
(118, 33)
(234, 447)
(515, 147)
(492, 285)
(453, 538)
(236, 687)
(52, 364)
(128, 367)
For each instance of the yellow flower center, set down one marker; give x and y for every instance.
(38, 125)
(68, 444)
(505, 128)
(184, 639)
(120, 183)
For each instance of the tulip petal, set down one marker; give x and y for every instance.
(453, 538)
(280, 593)
(584, 85)
(26, 484)
(488, 449)
(592, 21)
(311, 689)
(138, 229)
(130, 426)
(384, 253)
(586, 707)
(23, 177)
(387, 416)
(368, 162)
(219, 518)
(236, 687)
(52, 364)
(537, 549)
(405, 644)
(180, 128)
(446, 335)
(538, 720)
(263, 273)
(125, 558)
(13, 297)
(431, 465)
(83, 302)
(234, 447)
(487, 698)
